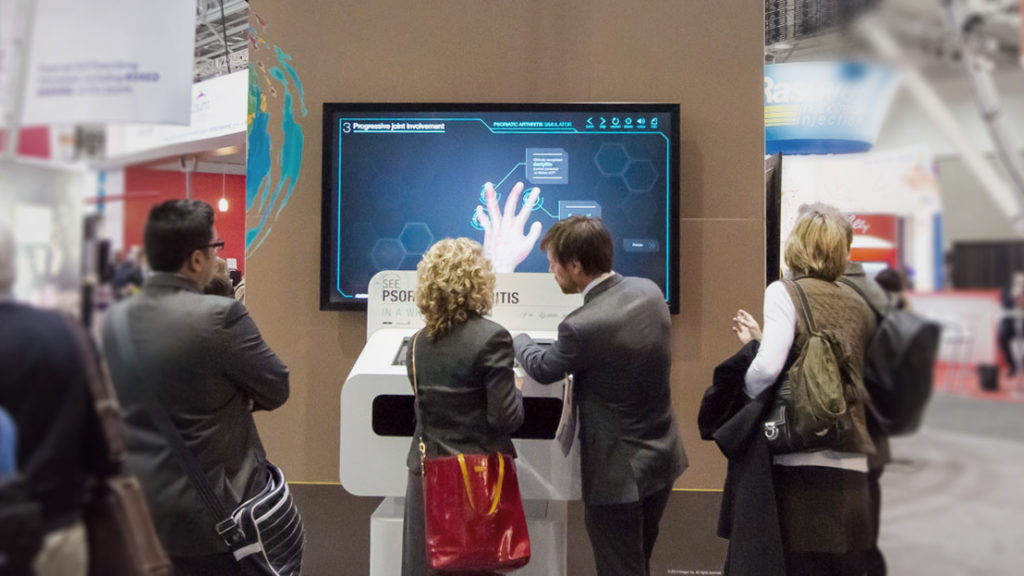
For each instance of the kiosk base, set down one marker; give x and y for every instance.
(545, 519)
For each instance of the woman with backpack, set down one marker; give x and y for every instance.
(821, 493)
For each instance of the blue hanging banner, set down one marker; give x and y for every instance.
(825, 107)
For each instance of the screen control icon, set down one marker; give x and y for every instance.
(640, 245)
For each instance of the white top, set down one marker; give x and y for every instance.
(776, 340)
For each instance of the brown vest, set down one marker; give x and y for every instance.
(844, 315)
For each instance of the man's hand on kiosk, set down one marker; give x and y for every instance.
(505, 244)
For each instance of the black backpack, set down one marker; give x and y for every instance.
(899, 364)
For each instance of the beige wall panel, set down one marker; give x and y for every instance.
(721, 270)
(705, 55)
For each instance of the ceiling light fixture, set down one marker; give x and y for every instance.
(223, 204)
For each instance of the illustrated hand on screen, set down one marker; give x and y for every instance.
(505, 244)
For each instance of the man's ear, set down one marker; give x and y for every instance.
(195, 261)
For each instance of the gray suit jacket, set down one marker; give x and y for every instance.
(618, 347)
(208, 361)
(468, 400)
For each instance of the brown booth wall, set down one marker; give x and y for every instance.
(708, 56)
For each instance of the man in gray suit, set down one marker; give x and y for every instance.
(207, 365)
(618, 347)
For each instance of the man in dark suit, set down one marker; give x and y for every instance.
(1013, 306)
(618, 346)
(43, 386)
(878, 300)
(208, 366)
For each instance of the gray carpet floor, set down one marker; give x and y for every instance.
(953, 499)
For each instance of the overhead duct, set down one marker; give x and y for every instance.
(792, 20)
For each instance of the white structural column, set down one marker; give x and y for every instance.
(15, 39)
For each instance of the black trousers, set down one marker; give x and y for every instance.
(1006, 335)
(623, 535)
(875, 561)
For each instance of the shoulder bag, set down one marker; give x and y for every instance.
(472, 509)
(122, 538)
(809, 411)
(265, 533)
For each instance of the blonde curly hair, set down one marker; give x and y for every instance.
(454, 281)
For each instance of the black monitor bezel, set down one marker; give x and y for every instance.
(329, 153)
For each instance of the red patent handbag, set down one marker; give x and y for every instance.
(473, 513)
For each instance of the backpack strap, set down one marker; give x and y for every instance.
(878, 313)
(805, 306)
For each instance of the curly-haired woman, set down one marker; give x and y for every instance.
(468, 399)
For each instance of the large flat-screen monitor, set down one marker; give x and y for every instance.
(397, 177)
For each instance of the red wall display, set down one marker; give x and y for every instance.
(156, 186)
(33, 141)
(876, 238)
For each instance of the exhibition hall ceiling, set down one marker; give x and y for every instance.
(222, 27)
(804, 30)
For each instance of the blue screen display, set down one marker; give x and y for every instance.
(398, 177)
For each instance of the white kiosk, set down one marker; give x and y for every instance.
(377, 417)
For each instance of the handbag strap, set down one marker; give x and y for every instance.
(226, 526)
(497, 489)
(104, 401)
(416, 403)
(462, 459)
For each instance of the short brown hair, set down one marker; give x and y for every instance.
(454, 281)
(582, 239)
(818, 245)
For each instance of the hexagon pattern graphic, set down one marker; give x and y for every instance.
(627, 178)
(611, 159)
(416, 238)
(387, 254)
(640, 176)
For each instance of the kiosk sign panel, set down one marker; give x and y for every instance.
(523, 302)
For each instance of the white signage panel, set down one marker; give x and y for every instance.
(523, 302)
(218, 109)
(110, 61)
